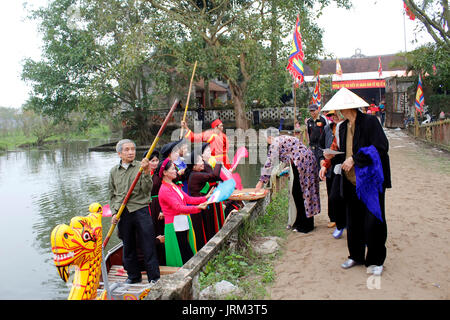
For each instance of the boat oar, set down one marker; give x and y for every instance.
(189, 95)
(152, 147)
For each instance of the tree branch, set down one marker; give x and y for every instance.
(429, 24)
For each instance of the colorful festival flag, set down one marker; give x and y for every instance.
(419, 97)
(408, 11)
(295, 64)
(338, 68)
(317, 96)
(380, 69)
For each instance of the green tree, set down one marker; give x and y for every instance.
(102, 58)
(242, 42)
(433, 63)
(126, 57)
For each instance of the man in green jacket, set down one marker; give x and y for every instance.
(135, 223)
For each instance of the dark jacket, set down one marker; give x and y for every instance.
(368, 131)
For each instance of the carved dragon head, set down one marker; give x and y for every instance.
(79, 245)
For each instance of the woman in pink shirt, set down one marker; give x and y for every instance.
(174, 202)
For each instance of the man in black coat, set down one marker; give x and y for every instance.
(363, 227)
(316, 127)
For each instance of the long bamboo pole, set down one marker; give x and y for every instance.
(136, 179)
(189, 95)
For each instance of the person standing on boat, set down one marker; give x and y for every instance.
(215, 137)
(305, 184)
(135, 221)
(197, 179)
(155, 209)
(216, 211)
(177, 206)
(171, 151)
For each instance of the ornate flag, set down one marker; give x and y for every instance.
(338, 68)
(408, 11)
(380, 70)
(317, 97)
(419, 97)
(295, 65)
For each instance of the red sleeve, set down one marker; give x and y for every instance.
(173, 203)
(198, 137)
(327, 162)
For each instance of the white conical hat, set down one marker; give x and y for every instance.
(344, 99)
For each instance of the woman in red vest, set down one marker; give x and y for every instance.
(216, 138)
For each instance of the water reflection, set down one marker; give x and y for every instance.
(40, 189)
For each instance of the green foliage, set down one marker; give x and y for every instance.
(123, 58)
(101, 60)
(438, 103)
(26, 128)
(436, 84)
(242, 266)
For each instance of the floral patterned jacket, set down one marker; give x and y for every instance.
(290, 150)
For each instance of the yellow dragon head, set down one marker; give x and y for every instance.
(80, 245)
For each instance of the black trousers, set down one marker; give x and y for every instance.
(208, 221)
(336, 208)
(199, 230)
(302, 223)
(363, 228)
(183, 244)
(133, 227)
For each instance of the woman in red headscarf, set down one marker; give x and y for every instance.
(216, 138)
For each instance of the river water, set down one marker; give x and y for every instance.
(40, 189)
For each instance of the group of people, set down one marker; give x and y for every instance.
(167, 218)
(376, 110)
(349, 150)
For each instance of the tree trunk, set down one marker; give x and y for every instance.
(239, 107)
(207, 96)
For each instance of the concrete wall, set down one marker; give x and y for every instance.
(183, 284)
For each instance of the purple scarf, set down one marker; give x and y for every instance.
(369, 181)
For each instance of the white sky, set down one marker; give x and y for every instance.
(374, 26)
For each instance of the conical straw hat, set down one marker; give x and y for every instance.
(344, 99)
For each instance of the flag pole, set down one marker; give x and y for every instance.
(188, 97)
(295, 104)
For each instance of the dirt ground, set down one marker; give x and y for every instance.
(418, 254)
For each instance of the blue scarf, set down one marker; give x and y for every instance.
(369, 181)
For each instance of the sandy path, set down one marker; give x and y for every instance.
(418, 255)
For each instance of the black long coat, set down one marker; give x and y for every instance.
(368, 131)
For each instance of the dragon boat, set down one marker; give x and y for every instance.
(79, 246)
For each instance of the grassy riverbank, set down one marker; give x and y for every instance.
(242, 266)
(18, 139)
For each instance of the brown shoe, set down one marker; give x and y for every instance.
(331, 224)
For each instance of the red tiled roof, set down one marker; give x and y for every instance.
(200, 85)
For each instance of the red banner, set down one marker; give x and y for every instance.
(359, 84)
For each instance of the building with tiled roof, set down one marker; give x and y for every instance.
(360, 74)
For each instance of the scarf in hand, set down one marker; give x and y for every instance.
(369, 181)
